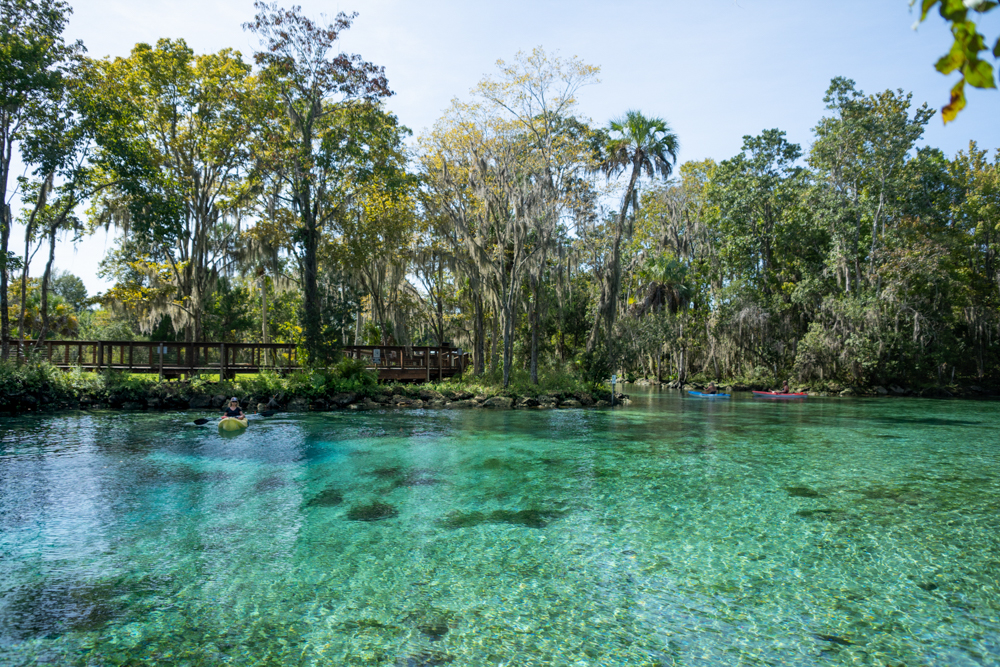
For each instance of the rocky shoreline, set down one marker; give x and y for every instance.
(836, 389)
(179, 396)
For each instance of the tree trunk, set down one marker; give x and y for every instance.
(478, 337)
(5, 222)
(45, 285)
(534, 330)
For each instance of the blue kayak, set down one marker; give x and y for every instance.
(701, 395)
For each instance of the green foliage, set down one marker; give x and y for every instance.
(965, 50)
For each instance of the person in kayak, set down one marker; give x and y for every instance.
(784, 388)
(711, 389)
(234, 409)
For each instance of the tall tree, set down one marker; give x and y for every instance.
(315, 86)
(176, 131)
(33, 57)
(640, 145)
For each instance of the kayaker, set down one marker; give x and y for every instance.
(234, 409)
(785, 389)
(711, 389)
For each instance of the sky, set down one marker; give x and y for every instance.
(716, 70)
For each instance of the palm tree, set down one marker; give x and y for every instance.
(667, 286)
(646, 145)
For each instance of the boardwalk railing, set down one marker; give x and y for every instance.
(174, 359)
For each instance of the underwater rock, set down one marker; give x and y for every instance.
(424, 659)
(830, 515)
(530, 518)
(376, 510)
(329, 497)
(803, 492)
(834, 639)
(928, 586)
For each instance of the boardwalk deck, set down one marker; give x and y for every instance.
(179, 360)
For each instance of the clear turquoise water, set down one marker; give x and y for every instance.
(677, 531)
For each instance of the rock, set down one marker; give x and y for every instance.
(298, 404)
(199, 402)
(153, 402)
(382, 399)
(318, 405)
(527, 402)
(218, 401)
(467, 403)
(603, 404)
(548, 401)
(132, 405)
(480, 398)
(898, 391)
(499, 403)
(261, 407)
(570, 403)
(586, 400)
(343, 399)
(881, 391)
(401, 401)
(430, 395)
(848, 392)
(437, 403)
(461, 395)
(416, 403)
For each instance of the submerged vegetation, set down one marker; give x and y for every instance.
(274, 199)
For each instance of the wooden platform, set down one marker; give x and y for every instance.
(184, 360)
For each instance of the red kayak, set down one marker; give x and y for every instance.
(778, 394)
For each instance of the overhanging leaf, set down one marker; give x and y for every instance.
(979, 74)
(950, 112)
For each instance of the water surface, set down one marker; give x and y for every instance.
(677, 531)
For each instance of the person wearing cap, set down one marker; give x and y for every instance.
(234, 409)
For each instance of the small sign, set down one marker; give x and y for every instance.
(614, 378)
(377, 356)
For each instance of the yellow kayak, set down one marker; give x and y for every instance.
(232, 423)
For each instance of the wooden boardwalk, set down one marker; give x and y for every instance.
(184, 360)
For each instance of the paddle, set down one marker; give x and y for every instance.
(201, 422)
(266, 413)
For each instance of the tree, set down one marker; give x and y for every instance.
(965, 49)
(640, 145)
(32, 61)
(315, 87)
(176, 131)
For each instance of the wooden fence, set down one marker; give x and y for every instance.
(179, 360)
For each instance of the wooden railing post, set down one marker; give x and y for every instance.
(100, 355)
(159, 347)
(222, 361)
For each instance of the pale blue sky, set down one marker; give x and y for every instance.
(715, 69)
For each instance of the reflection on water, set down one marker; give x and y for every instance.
(676, 531)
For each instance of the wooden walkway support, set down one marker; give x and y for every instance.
(179, 360)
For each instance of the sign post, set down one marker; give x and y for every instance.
(614, 378)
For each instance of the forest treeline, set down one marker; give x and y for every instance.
(275, 198)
